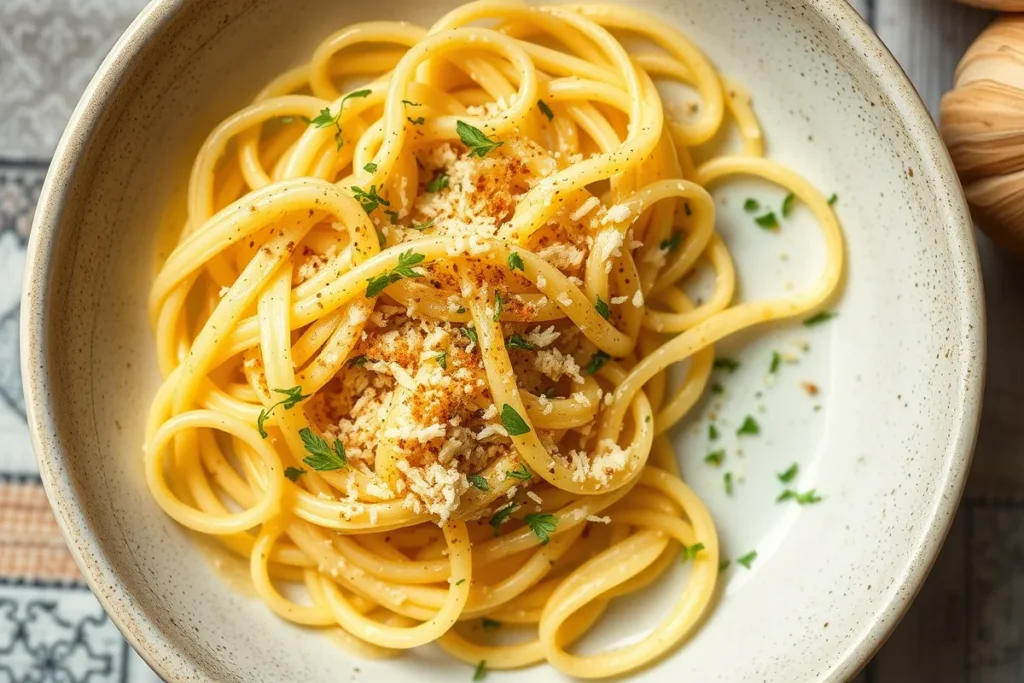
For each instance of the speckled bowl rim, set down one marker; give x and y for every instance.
(100, 574)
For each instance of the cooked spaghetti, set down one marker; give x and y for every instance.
(416, 328)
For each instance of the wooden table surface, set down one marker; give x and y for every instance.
(967, 625)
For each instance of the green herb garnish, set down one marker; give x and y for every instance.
(545, 109)
(717, 388)
(439, 183)
(768, 221)
(422, 226)
(727, 364)
(293, 473)
(292, 398)
(787, 205)
(522, 473)
(442, 360)
(358, 361)
(516, 341)
(514, 424)
(460, 582)
(541, 524)
(749, 426)
(820, 318)
(324, 118)
(727, 481)
(751, 205)
(690, 551)
(481, 671)
(672, 243)
(470, 334)
(475, 140)
(479, 482)
(499, 306)
(370, 167)
(406, 260)
(747, 559)
(322, 456)
(712, 432)
(807, 498)
(597, 362)
(418, 121)
(832, 199)
(501, 516)
(789, 474)
(369, 200)
(411, 104)
(776, 360)
(516, 261)
(715, 458)
(489, 624)
(601, 306)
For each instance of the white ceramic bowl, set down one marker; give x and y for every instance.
(900, 369)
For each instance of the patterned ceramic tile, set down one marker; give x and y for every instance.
(49, 49)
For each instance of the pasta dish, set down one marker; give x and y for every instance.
(416, 328)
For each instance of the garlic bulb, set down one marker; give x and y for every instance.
(982, 123)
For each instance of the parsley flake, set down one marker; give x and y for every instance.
(601, 306)
(787, 205)
(776, 360)
(515, 261)
(418, 121)
(751, 205)
(516, 341)
(369, 200)
(833, 198)
(789, 474)
(747, 559)
(477, 481)
(820, 318)
(717, 388)
(499, 306)
(545, 109)
(541, 524)
(370, 167)
(358, 361)
(727, 481)
(808, 498)
(489, 624)
(481, 671)
(501, 516)
(514, 424)
(422, 226)
(411, 104)
(292, 398)
(690, 551)
(522, 473)
(324, 119)
(712, 432)
(406, 260)
(672, 243)
(460, 582)
(442, 360)
(727, 364)
(715, 458)
(597, 362)
(470, 334)
(293, 473)
(749, 426)
(322, 457)
(768, 221)
(723, 565)
(440, 182)
(474, 139)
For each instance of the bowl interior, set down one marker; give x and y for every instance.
(886, 440)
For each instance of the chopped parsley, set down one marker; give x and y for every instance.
(293, 473)
(749, 426)
(322, 456)
(690, 551)
(727, 364)
(393, 215)
(292, 398)
(747, 559)
(727, 481)
(541, 524)
(820, 318)
(439, 183)
(516, 261)
(422, 226)
(601, 306)
(787, 205)
(723, 565)
(545, 109)
(751, 205)
(832, 199)
(789, 474)
(807, 498)
(411, 104)
(717, 388)
(417, 121)
(501, 516)
(597, 362)
(358, 361)
(522, 473)
(489, 624)
(481, 671)
(370, 167)
(776, 360)
(474, 139)
(470, 334)
(369, 200)
(442, 360)
(768, 221)
(715, 458)
(516, 341)
(477, 481)
(712, 432)
(514, 424)
(672, 243)
(499, 306)
(406, 260)
(325, 120)
(460, 582)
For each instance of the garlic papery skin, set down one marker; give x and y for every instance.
(982, 123)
